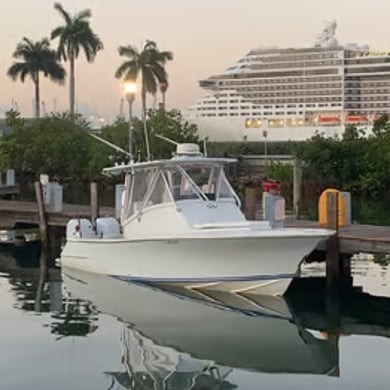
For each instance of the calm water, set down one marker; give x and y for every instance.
(78, 331)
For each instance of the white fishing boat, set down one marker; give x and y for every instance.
(181, 223)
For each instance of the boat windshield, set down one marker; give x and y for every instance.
(173, 183)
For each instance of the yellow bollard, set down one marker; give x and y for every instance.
(323, 208)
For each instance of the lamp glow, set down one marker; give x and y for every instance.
(130, 88)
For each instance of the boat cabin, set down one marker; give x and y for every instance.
(178, 195)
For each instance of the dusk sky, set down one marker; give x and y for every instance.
(206, 36)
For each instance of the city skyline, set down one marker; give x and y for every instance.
(205, 38)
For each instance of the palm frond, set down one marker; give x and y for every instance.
(63, 13)
(17, 69)
(37, 57)
(82, 15)
(124, 69)
(76, 35)
(128, 51)
(165, 56)
(57, 32)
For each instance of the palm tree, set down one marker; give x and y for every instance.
(163, 89)
(36, 57)
(74, 35)
(149, 63)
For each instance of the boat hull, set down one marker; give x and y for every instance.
(229, 264)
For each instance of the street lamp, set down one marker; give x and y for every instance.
(130, 89)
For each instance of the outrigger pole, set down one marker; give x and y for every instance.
(110, 144)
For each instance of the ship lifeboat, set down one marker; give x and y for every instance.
(356, 119)
(329, 120)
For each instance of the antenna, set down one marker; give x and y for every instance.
(166, 139)
(110, 144)
(146, 138)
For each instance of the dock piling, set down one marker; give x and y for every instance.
(332, 243)
(250, 202)
(41, 214)
(297, 187)
(94, 203)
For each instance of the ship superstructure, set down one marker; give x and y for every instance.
(291, 93)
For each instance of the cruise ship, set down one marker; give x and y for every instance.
(291, 94)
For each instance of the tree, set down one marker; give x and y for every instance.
(58, 145)
(36, 57)
(381, 126)
(149, 64)
(169, 124)
(75, 35)
(163, 89)
(166, 123)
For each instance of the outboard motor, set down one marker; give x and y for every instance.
(80, 228)
(107, 227)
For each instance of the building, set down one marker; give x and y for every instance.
(290, 94)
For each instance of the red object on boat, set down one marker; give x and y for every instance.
(271, 186)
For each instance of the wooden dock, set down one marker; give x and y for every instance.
(9, 190)
(353, 239)
(12, 212)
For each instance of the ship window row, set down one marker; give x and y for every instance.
(364, 85)
(287, 65)
(214, 108)
(367, 61)
(302, 100)
(294, 93)
(297, 85)
(367, 70)
(291, 57)
(277, 106)
(368, 78)
(364, 99)
(293, 87)
(365, 105)
(277, 74)
(368, 92)
(281, 80)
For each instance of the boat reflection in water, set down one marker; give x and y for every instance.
(190, 340)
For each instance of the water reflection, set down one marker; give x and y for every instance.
(177, 339)
(372, 273)
(169, 338)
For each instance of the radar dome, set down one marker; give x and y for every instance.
(187, 150)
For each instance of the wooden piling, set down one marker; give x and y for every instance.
(333, 276)
(41, 214)
(297, 186)
(333, 329)
(332, 243)
(94, 203)
(250, 202)
(42, 281)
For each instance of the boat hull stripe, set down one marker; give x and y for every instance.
(204, 279)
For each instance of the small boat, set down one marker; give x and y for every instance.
(181, 224)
